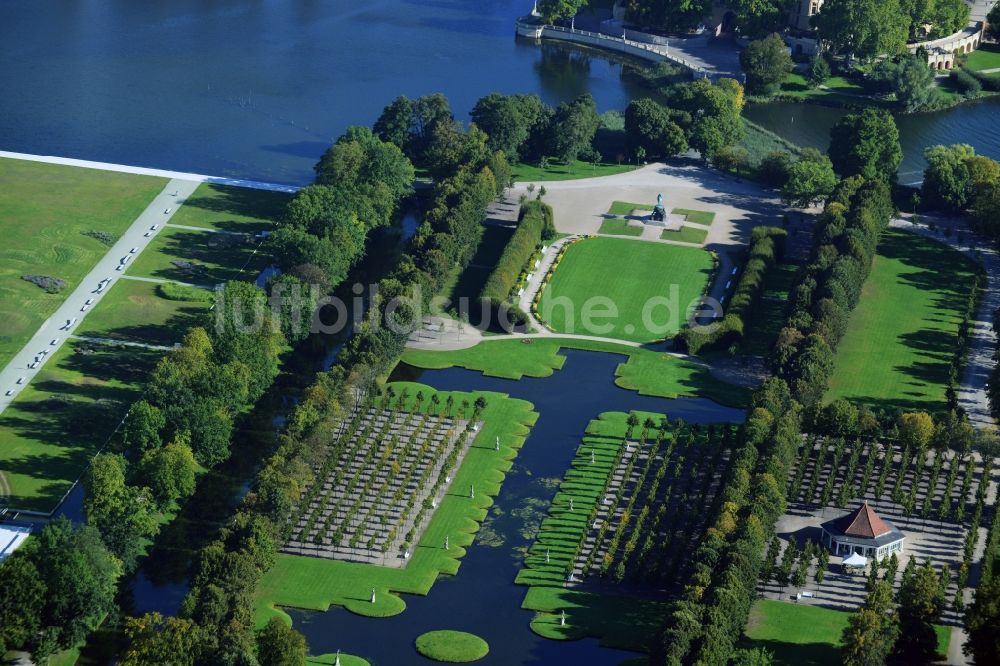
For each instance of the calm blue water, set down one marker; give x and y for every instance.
(809, 125)
(257, 89)
(483, 598)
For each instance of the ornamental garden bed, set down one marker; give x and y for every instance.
(384, 476)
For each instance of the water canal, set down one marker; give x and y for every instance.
(483, 598)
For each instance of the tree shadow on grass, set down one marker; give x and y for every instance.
(228, 201)
(799, 654)
(166, 333)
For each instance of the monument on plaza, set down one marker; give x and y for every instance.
(659, 213)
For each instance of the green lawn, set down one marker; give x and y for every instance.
(223, 257)
(456, 647)
(665, 280)
(768, 316)
(801, 635)
(626, 208)
(686, 234)
(702, 217)
(331, 659)
(44, 211)
(134, 311)
(796, 85)
(646, 371)
(228, 208)
(619, 227)
(901, 337)
(64, 416)
(316, 584)
(526, 173)
(618, 621)
(987, 56)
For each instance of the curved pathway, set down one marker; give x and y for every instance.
(972, 396)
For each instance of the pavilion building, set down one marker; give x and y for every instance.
(863, 532)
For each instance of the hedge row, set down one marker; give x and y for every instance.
(534, 225)
(715, 606)
(767, 245)
(847, 234)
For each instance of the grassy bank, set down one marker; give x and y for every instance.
(617, 621)
(60, 420)
(527, 173)
(45, 211)
(646, 371)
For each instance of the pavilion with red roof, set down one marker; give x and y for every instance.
(862, 531)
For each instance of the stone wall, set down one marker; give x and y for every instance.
(941, 52)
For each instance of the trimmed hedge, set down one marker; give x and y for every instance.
(533, 222)
(534, 225)
(767, 245)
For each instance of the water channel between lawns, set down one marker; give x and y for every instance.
(483, 598)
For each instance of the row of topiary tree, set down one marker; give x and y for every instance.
(218, 611)
(766, 248)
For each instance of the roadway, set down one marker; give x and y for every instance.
(68, 317)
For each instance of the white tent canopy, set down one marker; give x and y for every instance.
(855, 560)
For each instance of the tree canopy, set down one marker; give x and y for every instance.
(766, 63)
(863, 28)
(866, 144)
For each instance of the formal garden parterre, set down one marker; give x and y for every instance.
(383, 478)
(662, 282)
(317, 583)
(633, 504)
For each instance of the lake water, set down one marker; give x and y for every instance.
(483, 598)
(809, 125)
(258, 89)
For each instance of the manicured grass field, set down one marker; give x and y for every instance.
(44, 211)
(331, 659)
(626, 208)
(526, 173)
(646, 371)
(987, 56)
(134, 311)
(226, 208)
(796, 85)
(686, 234)
(623, 622)
(619, 227)
(768, 316)
(702, 217)
(456, 647)
(316, 584)
(222, 255)
(901, 337)
(801, 635)
(63, 417)
(630, 276)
